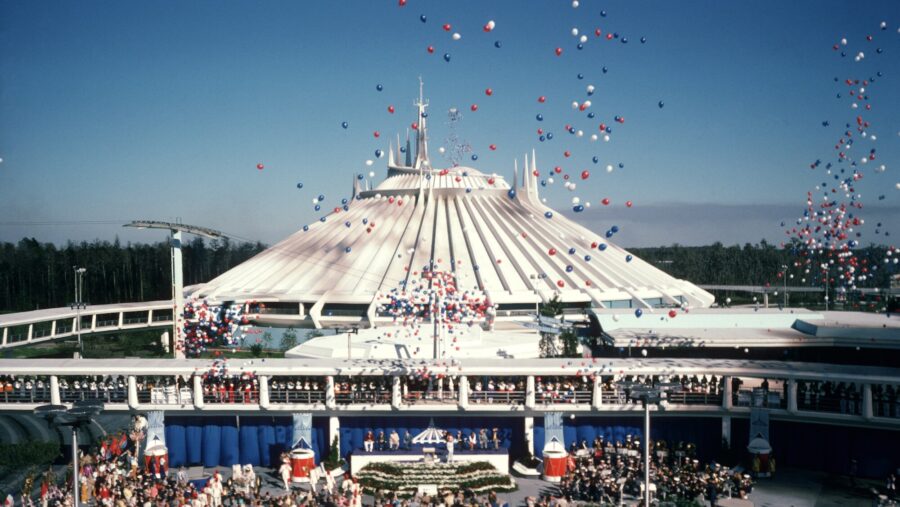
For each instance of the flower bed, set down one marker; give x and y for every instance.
(405, 478)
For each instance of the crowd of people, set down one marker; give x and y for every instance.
(362, 389)
(608, 471)
(841, 397)
(297, 389)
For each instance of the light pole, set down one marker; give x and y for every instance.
(647, 394)
(81, 414)
(784, 269)
(79, 304)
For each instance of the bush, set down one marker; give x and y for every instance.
(26, 454)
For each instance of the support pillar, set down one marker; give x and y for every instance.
(198, 391)
(726, 393)
(529, 434)
(53, 328)
(330, 400)
(766, 299)
(5, 335)
(726, 429)
(463, 388)
(597, 395)
(263, 392)
(54, 390)
(867, 408)
(792, 396)
(30, 331)
(396, 397)
(121, 319)
(177, 296)
(132, 392)
(529, 392)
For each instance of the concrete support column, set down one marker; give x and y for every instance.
(334, 431)
(396, 397)
(30, 331)
(529, 392)
(263, 392)
(54, 390)
(597, 396)
(198, 391)
(53, 327)
(463, 387)
(529, 434)
(132, 392)
(330, 399)
(726, 393)
(121, 319)
(5, 335)
(868, 411)
(792, 396)
(726, 429)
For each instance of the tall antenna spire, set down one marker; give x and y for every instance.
(421, 132)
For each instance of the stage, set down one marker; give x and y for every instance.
(499, 458)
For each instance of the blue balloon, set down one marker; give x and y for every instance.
(591, 114)
(469, 190)
(539, 117)
(580, 76)
(305, 228)
(347, 223)
(317, 207)
(359, 176)
(602, 14)
(446, 57)
(344, 201)
(580, 46)
(322, 219)
(423, 18)
(511, 194)
(614, 228)
(402, 149)
(596, 159)
(379, 87)
(549, 135)
(365, 221)
(604, 70)
(569, 268)
(571, 130)
(378, 153)
(571, 251)
(542, 139)
(661, 104)
(497, 44)
(345, 124)
(347, 249)
(474, 156)
(587, 258)
(638, 313)
(602, 246)
(609, 234)
(346, 207)
(543, 183)
(299, 185)
(621, 165)
(643, 40)
(578, 208)
(628, 258)
(548, 214)
(321, 197)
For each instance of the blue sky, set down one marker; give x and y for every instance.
(112, 111)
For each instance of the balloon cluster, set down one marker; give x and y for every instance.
(826, 235)
(207, 326)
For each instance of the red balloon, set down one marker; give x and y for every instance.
(542, 99)
(489, 92)
(594, 244)
(605, 201)
(560, 284)
(260, 167)
(401, 3)
(414, 125)
(558, 51)
(376, 134)
(540, 131)
(585, 174)
(567, 153)
(557, 169)
(672, 314)
(493, 147)
(431, 49)
(535, 173)
(491, 181)
(598, 32)
(391, 109)
(552, 251)
(628, 203)
(474, 107)
(447, 27)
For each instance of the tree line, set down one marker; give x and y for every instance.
(35, 275)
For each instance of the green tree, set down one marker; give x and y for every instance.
(289, 339)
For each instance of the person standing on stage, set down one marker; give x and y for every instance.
(450, 445)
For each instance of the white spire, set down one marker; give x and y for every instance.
(421, 132)
(391, 154)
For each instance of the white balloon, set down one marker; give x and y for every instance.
(594, 137)
(574, 105)
(582, 39)
(491, 24)
(576, 200)
(369, 162)
(441, 149)
(457, 36)
(575, 32)
(587, 204)
(590, 88)
(575, 5)
(550, 181)
(371, 174)
(571, 187)
(609, 168)
(580, 133)
(587, 103)
(606, 138)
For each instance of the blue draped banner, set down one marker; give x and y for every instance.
(302, 434)
(553, 428)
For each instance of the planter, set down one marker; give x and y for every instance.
(525, 471)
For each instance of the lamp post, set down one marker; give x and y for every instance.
(80, 415)
(784, 269)
(648, 395)
(79, 304)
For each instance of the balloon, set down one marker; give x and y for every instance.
(299, 185)
(379, 87)
(602, 247)
(585, 174)
(493, 147)
(497, 44)
(672, 314)
(578, 208)
(423, 18)
(539, 117)
(643, 40)
(391, 109)
(661, 104)
(489, 26)
(474, 107)
(558, 51)
(369, 162)
(321, 197)
(511, 194)
(377, 134)
(344, 124)
(347, 250)
(378, 153)
(447, 27)
(638, 313)
(614, 228)
(446, 57)
(475, 157)
(587, 258)
(552, 251)
(457, 36)
(628, 258)
(305, 228)
(569, 268)
(430, 49)
(605, 201)
(628, 204)
(572, 251)
(560, 284)
(260, 167)
(549, 214)
(542, 99)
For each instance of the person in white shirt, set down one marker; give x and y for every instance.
(285, 472)
(450, 445)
